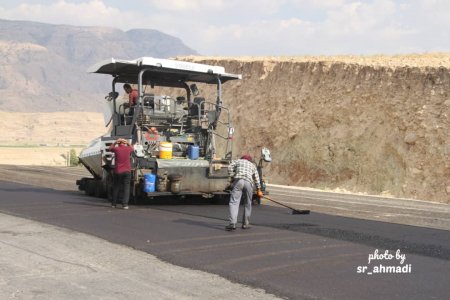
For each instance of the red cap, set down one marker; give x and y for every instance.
(247, 157)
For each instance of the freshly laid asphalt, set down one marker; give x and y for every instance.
(293, 256)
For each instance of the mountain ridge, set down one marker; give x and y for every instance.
(44, 65)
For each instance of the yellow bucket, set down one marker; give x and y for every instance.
(165, 150)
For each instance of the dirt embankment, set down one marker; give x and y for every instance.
(366, 124)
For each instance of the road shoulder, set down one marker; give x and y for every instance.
(40, 260)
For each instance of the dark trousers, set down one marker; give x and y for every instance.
(121, 184)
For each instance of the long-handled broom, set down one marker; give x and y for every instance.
(294, 211)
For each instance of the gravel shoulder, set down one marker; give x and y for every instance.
(47, 262)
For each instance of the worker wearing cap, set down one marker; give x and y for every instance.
(245, 175)
(122, 172)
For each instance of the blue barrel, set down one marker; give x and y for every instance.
(149, 182)
(193, 152)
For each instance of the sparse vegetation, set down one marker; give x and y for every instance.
(73, 162)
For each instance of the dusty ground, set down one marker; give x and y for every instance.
(46, 138)
(38, 156)
(53, 129)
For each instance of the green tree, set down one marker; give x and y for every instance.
(73, 158)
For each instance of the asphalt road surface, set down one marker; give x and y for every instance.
(316, 256)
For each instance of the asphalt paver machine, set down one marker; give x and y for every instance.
(182, 141)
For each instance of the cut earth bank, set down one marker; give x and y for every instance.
(375, 124)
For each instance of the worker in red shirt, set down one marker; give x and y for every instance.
(132, 97)
(122, 172)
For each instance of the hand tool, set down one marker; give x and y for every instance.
(294, 211)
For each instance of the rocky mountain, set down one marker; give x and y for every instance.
(43, 66)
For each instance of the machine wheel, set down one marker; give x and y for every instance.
(109, 186)
(136, 192)
(99, 189)
(220, 199)
(90, 187)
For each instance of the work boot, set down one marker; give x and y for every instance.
(230, 227)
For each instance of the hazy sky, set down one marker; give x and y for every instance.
(262, 27)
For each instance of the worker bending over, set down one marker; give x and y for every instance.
(244, 174)
(122, 172)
